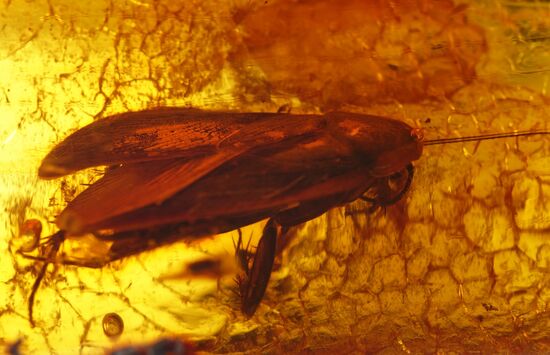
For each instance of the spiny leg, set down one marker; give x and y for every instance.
(252, 287)
(242, 258)
(52, 248)
(242, 253)
(384, 191)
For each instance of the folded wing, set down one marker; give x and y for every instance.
(135, 185)
(250, 187)
(169, 133)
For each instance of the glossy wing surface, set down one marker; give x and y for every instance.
(259, 184)
(170, 133)
(135, 185)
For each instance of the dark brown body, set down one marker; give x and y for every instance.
(181, 173)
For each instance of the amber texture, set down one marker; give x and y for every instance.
(460, 264)
(333, 53)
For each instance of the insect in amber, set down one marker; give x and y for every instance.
(181, 173)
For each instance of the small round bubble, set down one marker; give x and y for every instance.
(30, 233)
(113, 325)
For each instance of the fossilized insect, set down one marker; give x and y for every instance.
(185, 173)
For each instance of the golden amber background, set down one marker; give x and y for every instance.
(460, 264)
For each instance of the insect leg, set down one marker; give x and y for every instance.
(252, 288)
(242, 252)
(384, 190)
(306, 212)
(51, 249)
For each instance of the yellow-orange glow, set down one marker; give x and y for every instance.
(460, 264)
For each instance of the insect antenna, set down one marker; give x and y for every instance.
(483, 137)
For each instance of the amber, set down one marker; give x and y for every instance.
(353, 52)
(460, 264)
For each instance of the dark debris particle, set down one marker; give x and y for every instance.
(161, 347)
(489, 307)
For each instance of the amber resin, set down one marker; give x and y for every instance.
(460, 264)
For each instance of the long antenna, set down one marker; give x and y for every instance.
(484, 137)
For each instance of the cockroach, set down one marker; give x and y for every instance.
(180, 173)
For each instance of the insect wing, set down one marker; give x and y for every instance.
(133, 186)
(169, 133)
(258, 184)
